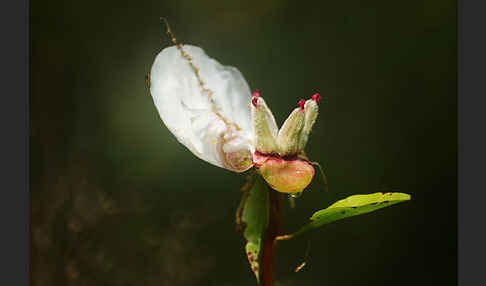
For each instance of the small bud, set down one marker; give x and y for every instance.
(264, 126)
(286, 176)
(288, 138)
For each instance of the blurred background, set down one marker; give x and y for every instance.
(116, 200)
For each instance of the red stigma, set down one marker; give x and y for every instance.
(301, 104)
(316, 97)
(254, 100)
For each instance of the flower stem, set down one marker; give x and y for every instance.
(269, 247)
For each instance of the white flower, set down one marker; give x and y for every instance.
(211, 111)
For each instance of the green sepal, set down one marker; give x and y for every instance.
(252, 220)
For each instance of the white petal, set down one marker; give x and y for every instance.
(210, 124)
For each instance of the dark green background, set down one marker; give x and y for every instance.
(116, 200)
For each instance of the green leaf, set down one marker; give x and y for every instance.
(254, 217)
(348, 207)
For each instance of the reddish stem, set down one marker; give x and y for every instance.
(269, 247)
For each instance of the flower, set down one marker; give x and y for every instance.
(210, 110)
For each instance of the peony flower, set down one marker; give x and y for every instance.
(210, 109)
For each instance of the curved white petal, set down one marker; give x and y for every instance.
(205, 105)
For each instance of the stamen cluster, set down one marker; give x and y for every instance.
(279, 153)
